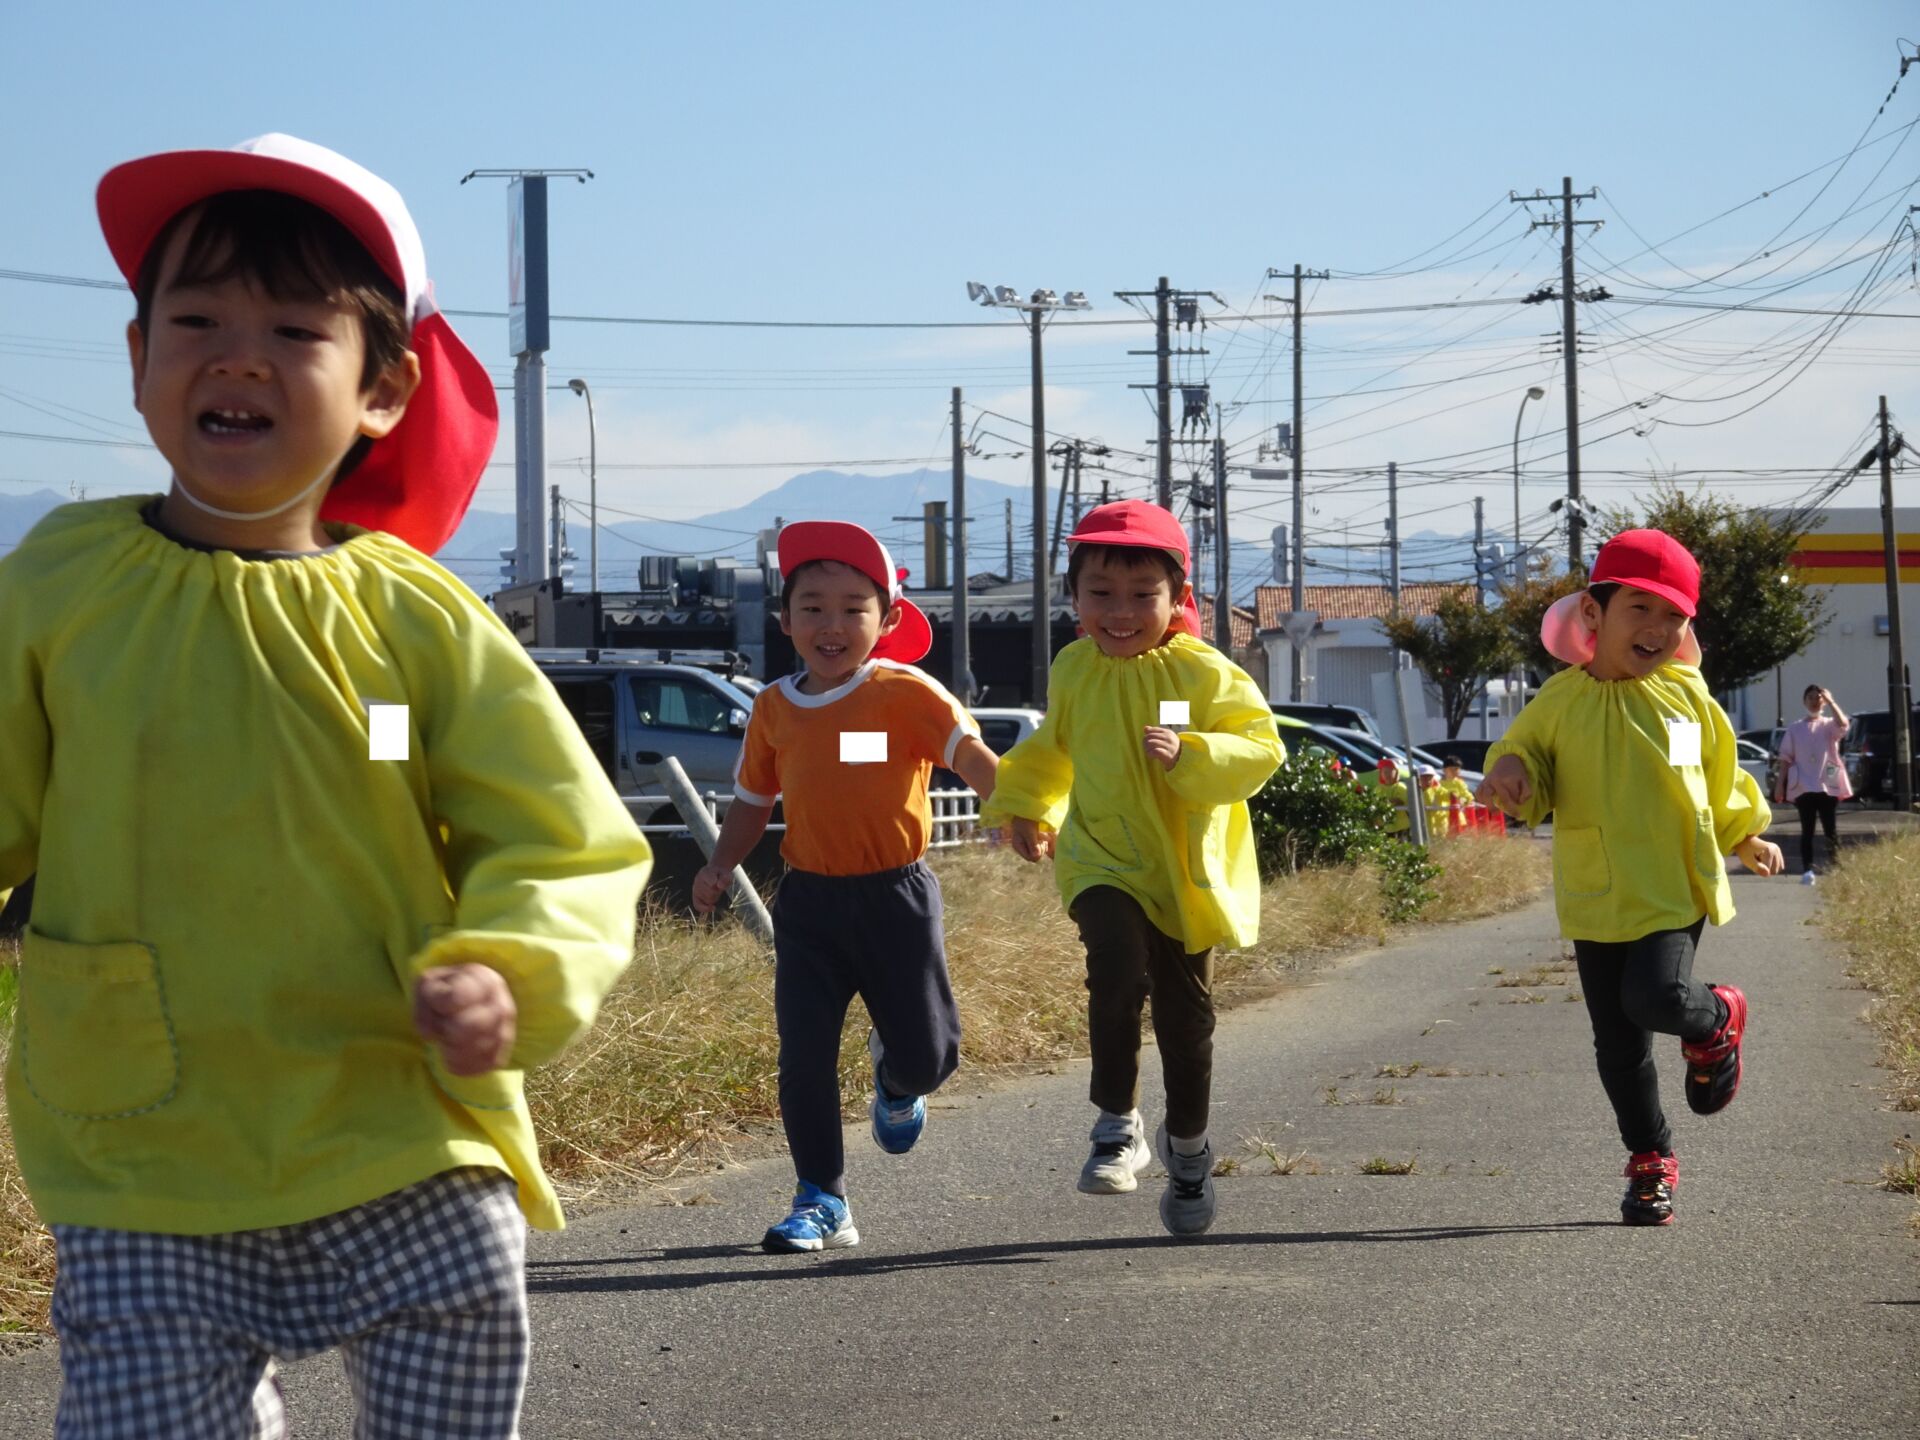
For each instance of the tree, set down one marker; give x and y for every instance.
(1458, 650)
(1754, 610)
(1524, 604)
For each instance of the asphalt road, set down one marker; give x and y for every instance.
(1490, 1291)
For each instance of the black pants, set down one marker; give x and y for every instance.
(1637, 989)
(1812, 805)
(876, 936)
(1128, 959)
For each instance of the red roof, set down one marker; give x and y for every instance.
(1242, 623)
(1353, 602)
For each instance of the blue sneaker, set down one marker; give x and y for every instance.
(819, 1220)
(897, 1123)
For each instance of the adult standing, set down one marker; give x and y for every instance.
(1811, 773)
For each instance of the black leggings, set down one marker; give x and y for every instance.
(1636, 989)
(1812, 804)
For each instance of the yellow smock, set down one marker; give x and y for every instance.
(1638, 841)
(1440, 803)
(1395, 795)
(1179, 841)
(214, 1025)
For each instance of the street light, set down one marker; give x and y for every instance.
(579, 387)
(1034, 310)
(1534, 392)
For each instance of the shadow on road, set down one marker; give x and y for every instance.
(587, 1276)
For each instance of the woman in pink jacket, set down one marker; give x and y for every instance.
(1811, 773)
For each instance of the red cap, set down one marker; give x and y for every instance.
(841, 540)
(1138, 523)
(1650, 560)
(417, 482)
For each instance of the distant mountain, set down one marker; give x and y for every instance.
(870, 500)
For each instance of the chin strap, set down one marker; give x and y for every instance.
(281, 509)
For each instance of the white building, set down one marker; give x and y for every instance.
(1845, 559)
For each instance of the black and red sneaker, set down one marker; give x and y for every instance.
(1713, 1064)
(1651, 1180)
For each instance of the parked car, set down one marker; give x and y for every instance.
(1867, 751)
(1757, 762)
(1001, 729)
(1347, 717)
(634, 712)
(1359, 750)
(1472, 753)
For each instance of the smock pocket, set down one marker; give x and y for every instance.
(1581, 869)
(1205, 865)
(1105, 844)
(96, 1041)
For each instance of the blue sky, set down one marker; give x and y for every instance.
(837, 161)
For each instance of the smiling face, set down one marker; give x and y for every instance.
(1636, 633)
(253, 391)
(835, 616)
(1125, 599)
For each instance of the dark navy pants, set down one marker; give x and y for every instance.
(880, 937)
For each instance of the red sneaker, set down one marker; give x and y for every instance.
(1713, 1064)
(1651, 1180)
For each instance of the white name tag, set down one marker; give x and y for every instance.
(386, 732)
(1175, 712)
(863, 747)
(1683, 742)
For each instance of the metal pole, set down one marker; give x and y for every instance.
(697, 818)
(1299, 595)
(1163, 388)
(1480, 586)
(1416, 805)
(1042, 619)
(1899, 706)
(1069, 459)
(535, 416)
(1576, 522)
(1223, 596)
(593, 491)
(962, 659)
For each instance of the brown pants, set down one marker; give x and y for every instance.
(1128, 959)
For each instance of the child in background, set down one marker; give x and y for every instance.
(1155, 856)
(1451, 788)
(1813, 778)
(1384, 779)
(851, 743)
(1637, 765)
(289, 959)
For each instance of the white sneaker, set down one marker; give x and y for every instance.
(1806, 878)
(1186, 1207)
(1120, 1153)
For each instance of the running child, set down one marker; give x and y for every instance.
(323, 865)
(1137, 784)
(850, 744)
(1638, 766)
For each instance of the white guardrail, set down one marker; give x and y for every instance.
(956, 818)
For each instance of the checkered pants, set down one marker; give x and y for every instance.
(423, 1290)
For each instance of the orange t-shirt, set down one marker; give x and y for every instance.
(852, 765)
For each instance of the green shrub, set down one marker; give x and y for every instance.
(1308, 817)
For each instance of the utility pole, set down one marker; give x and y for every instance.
(1479, 546)
(528, 333)
(1899, 701)
(1569, 345)
(1009, 542)
(1298, 598)
(962, 658)
(1416, 807)
(1223, 591)
(1166, 301)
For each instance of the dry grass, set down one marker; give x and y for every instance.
(1870, 900)
(26, 1249)
(681, 1067)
